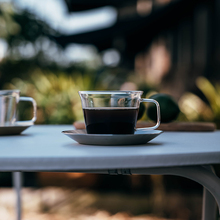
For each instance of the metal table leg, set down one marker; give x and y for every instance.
(17, 183)
(209, 207)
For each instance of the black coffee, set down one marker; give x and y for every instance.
(110, 120)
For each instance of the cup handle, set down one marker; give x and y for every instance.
(29, 99)
(158, 115)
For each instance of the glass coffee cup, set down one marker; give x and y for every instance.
(113, 112)
(9, 100)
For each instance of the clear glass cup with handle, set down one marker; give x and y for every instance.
(113, 112)
(9, 100)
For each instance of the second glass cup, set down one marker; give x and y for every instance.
(113, 112)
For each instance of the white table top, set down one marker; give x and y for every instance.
(45, 148)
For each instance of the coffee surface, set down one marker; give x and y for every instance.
(110, 120)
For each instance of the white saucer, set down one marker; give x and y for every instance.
(139, 137)
(14, 130)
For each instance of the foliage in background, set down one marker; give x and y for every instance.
(195, 109)
(56, 93)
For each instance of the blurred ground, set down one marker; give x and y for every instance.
(59, 203)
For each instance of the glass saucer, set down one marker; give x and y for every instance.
(14, 129)
(139, 137)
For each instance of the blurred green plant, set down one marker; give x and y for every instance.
(56, 95)
(195, 109)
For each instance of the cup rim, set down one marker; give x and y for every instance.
(9, 91)
(108, 92)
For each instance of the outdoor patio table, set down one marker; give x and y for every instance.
(187, 154)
